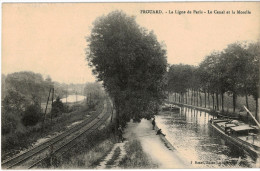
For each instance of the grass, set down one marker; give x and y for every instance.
(91, 150)
(136, 158)
(14, 142)
(88, 153)
(114, 157)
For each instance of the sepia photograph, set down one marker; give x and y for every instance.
(130, 85)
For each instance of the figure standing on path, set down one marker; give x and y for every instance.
(120, 133)
(153, 122)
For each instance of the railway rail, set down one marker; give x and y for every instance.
(61, 142)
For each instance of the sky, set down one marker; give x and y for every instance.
(50, 38)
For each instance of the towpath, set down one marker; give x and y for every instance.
(156, 147)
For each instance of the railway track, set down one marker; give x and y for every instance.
(60, 143)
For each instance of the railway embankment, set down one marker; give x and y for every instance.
(66, 132)
(142, 148)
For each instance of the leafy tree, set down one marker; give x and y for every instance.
(13, 107)
(32, 115)
(213, 76)
(57, 107)
(180, 79)
(15, 102)
(130, 62)
(252, 78)
(94, 92)
(235, 59)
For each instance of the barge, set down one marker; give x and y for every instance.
(242, 135)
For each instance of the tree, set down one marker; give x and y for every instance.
(130, 62)
(13, 106)
(180, 79)
(235, 59)
(252, 81)
(32, 115)
(213, 76)
(15, 102)
(57, 107)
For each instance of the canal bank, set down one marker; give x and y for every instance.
(158, 150)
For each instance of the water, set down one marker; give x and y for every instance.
(190, 133)
(73, 98)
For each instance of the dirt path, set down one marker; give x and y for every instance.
(159, 151)
(104, 163)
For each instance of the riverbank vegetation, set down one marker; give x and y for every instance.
(24, 121)
(224, 80)
(13, 143)
(88, 153)
(136, 158)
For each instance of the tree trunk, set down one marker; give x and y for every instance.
(208, 99)
(234, 102)
(205, 95)
(217, 101)
(112, 113)
(191, 99)
(197, 97)
(194, 98)
(220, 101)
(256, 109)
(222, 96)
(247, 106)
(200, 99)
(213, 101)
(188, 95)
(186, 98)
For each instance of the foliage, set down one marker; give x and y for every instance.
(94, 93)
(184, 74)
(234, 71)
(130, 62)
(32, 85)
(32, 115)
(14, 102)
(13, 107)
(57, 107)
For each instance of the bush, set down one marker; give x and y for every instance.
(10, 122)
(32, 115)
(57, 107)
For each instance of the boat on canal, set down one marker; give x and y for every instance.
(171, 107)
(242, 135)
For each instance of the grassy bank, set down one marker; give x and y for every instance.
(14, 142)
(116, 154)
(136, 158)
(87, 154)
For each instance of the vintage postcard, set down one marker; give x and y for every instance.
(130, 85)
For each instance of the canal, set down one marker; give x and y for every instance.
(73, 98)
(191, 134)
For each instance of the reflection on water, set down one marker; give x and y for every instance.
(73, 98)
(190, 133)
